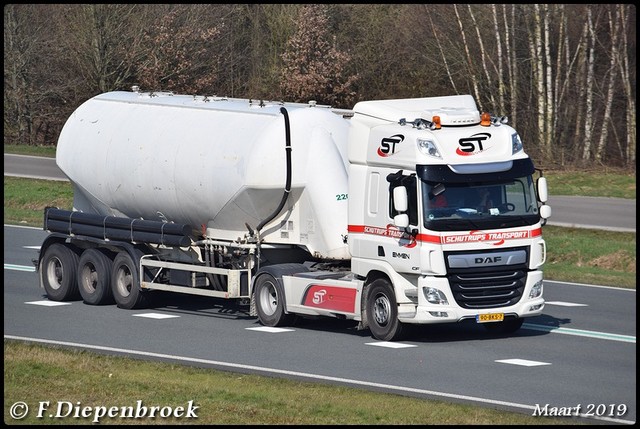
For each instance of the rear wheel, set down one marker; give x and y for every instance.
(58, 270)
(382, 312)
(125, 283)
(94, 277)
(270, 304)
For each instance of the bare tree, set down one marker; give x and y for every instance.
(102, 41)
(535, 48)
(483, 58)
(614, 26)
(512, 64)
(580, 82)
(180, 54)
(261, 33)
(590, 77)
(548, 82)
(438, 37)
(314, 68)
(472, 75)
(499, 59)
(17, 46)
(37, 85)
(623, 63)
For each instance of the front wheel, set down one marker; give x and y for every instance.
(382, 312)
(58, 272)
(270, 304)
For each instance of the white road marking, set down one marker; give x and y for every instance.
(270, 329)
(155, 315)
(566, 304)
(522, 362)
(391, 345)
(581, 333)
(47, 303)
(19, 267)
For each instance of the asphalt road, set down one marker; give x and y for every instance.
(616, 214)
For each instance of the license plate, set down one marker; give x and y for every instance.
(490, 317)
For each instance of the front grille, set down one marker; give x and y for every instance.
(487, 289)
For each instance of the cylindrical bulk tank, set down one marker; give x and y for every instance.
(216, 164)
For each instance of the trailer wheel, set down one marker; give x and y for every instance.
(269, 298)
(508, 326)
(125, 283)
(94, 277)
(382, 312)
(59, 267)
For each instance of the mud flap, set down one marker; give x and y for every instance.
(364, 322)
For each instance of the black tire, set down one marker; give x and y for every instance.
(125, 283)
(94, 277)
(270, 305)
(382, 312)
(58, 267)
(508, 326)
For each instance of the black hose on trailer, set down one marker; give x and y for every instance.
(287, 188)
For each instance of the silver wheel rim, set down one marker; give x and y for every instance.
(55, 273)
(381, 310)
(89, 278)
(124, 281)
(268, 298)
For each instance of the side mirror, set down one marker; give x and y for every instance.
(400, 199)
(543, 193)
(545, 211)
(401, 221)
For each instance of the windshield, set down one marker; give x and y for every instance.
(504, 203)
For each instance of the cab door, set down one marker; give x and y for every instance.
(402, 251)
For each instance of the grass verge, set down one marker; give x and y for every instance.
(94, 380)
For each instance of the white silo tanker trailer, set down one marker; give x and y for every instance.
(407, 211)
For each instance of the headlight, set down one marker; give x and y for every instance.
(435, 296)
(536, 290)
(516, 143)
(429, 148)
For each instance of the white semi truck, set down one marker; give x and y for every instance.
(397, 212)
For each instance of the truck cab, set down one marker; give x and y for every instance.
(444, 211)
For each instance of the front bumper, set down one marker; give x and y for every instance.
(426, 312)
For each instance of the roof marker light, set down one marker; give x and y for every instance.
(436, 122)
(485, 119)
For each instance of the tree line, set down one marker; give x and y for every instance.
(564, 74)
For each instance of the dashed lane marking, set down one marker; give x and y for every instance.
(581, 333)
(522, 362)
(19, 267)
(47, 303)
(391, 345)
(155, 316)
(270, 329)
(566, 304)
